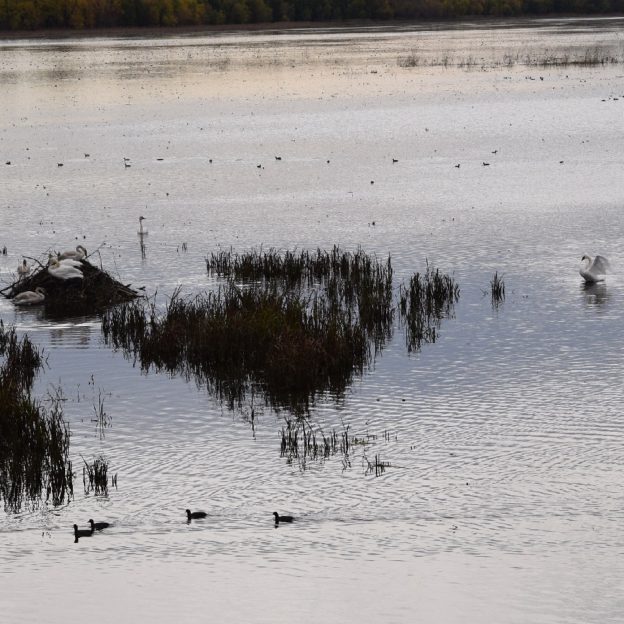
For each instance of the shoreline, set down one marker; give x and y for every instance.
(207, 29)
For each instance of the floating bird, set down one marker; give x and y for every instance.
(278, 158)
(30, 297)
(458, 165)
(395, 160)
(98, 526)
(23, 269)
(141, 231)
(594, 270)
(82, 532)
(64, 272)
(486, 164)
(79, 254)
(279, 518)
(195, 515)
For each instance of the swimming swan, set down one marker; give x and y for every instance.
(79, 254)
(30, 297)
(594, 270)
(141, 231)
(23, 269)
(63, 271)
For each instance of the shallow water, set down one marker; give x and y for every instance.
(503, 498)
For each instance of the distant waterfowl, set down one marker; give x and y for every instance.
(30, 297)
(98, 526)
(79, 254)
(82, 532)
(593, 270)
(195, 515)
(279, 518)
(63, 272)
(23, 269)
(142, 231)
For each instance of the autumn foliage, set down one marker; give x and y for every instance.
(87, 14)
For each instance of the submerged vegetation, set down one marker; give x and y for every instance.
(34, 440)
(26, 14)
(596, 56)
(293, 326)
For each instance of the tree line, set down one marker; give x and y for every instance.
(86, 14)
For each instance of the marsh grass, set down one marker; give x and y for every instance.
(290, 326)
(95, 476)
(595, 56)
(497, 289)
(34, 440)
(426, 299)
(299, 326)
(102, 419)
(303, 442)
(376, 467)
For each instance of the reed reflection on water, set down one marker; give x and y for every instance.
(503, 440)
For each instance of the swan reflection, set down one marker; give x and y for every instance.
(595, 293)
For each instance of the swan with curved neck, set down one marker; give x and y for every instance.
(79, 254)
(593, 269)
(63, 271)
(30, 297)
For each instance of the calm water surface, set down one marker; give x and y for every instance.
(503, 502)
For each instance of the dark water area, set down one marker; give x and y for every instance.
(502, 501)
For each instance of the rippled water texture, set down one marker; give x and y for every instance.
(503, 501)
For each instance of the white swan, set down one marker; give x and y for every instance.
(141, 231)
(23, 269)
(594, 270)
(79, 254)
(77, 264)
(30, 297)
(63, 271)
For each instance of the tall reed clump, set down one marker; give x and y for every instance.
(34, 441)
(497, 289)
(423, 303)
(300, 325)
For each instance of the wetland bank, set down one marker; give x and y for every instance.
(502, 440)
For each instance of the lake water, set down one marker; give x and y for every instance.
(503, 501)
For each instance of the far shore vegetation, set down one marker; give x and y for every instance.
(19, 15)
